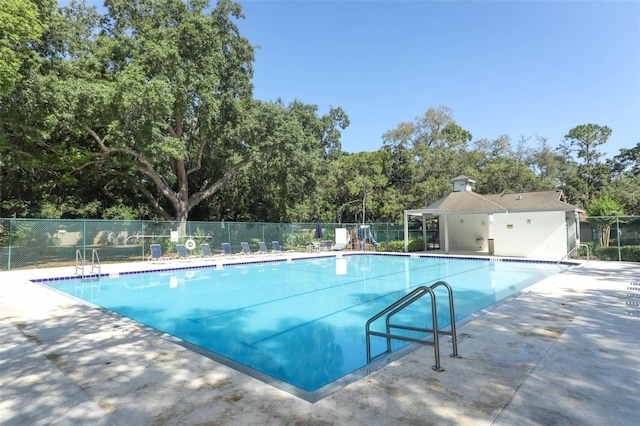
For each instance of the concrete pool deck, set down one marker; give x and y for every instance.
(565, 351)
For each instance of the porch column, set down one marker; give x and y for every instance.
(424, 232)
(445, 225)
(406, 232)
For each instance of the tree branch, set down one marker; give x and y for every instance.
(144, 166)
(146, 193)
(196, 198)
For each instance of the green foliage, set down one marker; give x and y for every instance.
(20, 27)
(121, 212)
(627, 253)
(605, 206)
(148, 110)
(397, 246)
(602, 213)
(627, 163)
(508, 176)
(585, 139)
(358, 180)
(299, 239)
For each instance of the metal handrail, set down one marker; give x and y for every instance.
(401, 304)
(79, 263)
(575, 249)
(452, 319)
(95, 262)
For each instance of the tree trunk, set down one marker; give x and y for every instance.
(182, 201)
(604, 236)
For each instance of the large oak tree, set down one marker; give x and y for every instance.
(156, 96)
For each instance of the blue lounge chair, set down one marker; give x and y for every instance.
(226, 249)
(182, 251)
(262, 248)
(277, 247)
(156, 252)
(206, 250)
(245, 248)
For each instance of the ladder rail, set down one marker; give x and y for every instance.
(95, 262)
(576, 248)
(414, 293)
(410, 300)
(403, 303)
(452, 319)
(79, 263)
(434, 321)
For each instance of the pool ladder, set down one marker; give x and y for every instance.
(404, 302)
(95, 263)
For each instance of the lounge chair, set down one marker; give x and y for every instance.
(245, 248)
(262, 248)
(156, 252)
(277, 247)
(206, 250)
(226, 249)
(182, 252)
(340, 246)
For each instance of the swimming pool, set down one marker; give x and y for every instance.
(299, 324)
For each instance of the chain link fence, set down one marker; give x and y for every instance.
(28, 243)
(613, 238)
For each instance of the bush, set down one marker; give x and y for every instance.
(627, 253)
(301, 239)
(397, 246)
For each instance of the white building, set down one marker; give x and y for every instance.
(528, 224)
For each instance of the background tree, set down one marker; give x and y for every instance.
(624, 185)
(284, 185)
(156, 96)
(627, 163)
(421, 156)
(545, 162)
(359, 179)
(20, 27)
(602, 213)
(584, 140)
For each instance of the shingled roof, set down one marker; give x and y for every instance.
(471, 202)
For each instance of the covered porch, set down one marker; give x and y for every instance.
(461, 233)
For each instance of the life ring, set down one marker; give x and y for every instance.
(190, 244)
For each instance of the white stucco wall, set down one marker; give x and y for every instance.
(540, 235)
(465, 230)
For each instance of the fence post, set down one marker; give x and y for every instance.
(84, 241)
(618, 238)
(10, 244)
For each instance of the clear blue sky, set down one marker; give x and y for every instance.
(518, 68)
(514, 68)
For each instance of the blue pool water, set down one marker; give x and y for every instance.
(301, 321)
